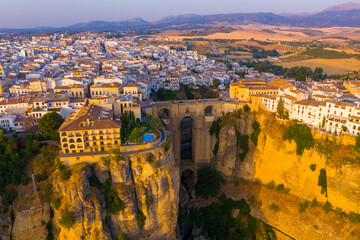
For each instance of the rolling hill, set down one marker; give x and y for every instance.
(343, 15)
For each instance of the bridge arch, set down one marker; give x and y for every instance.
(164, 113)
(209, 111)
(186, 138)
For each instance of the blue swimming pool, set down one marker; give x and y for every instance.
(148, 138)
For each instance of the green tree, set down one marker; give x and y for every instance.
(322, 182)
(301, 134)
(216, 83)
(208, 182)
(344, 128)
(155, 122)
(280, 108)
(136, 135)
(122, 236)
(49, 124)
(246, 108)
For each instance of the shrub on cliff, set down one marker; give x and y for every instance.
(208, 182)
(67, 219)
(216, 148)
(49, 124)
(303, 207)
(322, 182)
(141, 218)
(327, 207)
(243, 143)
(122, 236)
(166, 145)
(354, 217)
(113, 203)
(9, 197)
(246, 108)
(215, 128)
(302, 136)
(255, 134)
(217, 220)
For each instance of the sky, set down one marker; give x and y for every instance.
(59, 13)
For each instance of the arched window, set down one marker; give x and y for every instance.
(64, 139)
(63, 134)
(208, 111)
(65, 145)
(71, 141)
(72, 146)
(78, 140)
(79, 146)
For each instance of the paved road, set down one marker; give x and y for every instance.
(217, 52)
(214, 48)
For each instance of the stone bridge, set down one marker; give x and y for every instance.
(189, 122)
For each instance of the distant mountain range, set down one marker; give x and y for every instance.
(343, 15)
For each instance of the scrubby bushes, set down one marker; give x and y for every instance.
(302, 136)
(354, 217)
(327, 207)
(303, 207)
(256, 132)
(217, 220)
(322, 182)
(312, 167)
(274, 207)
(9, 197)
(113, 203)
(215, 128)
(141, 218)
(246, 108)
(122, 236)
(243, 144)
(216, 148)
(67, 219)
(279, 188)
(208, 182)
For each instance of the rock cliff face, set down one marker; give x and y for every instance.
(146, 182)
(275, 160)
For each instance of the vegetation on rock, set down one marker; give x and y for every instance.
(208, 183)
(322, 182)
(122, 236)
(312, 167)
(302, 136)
(303, 207)
(67, 219)
(217, 221)
(141, 218)
(256, 132)
(215, 128)
(243, 144)
(113, 203)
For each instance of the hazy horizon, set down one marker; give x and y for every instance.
(35, 13)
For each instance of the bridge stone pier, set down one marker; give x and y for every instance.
(190, 122)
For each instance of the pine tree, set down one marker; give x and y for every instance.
(280, 108)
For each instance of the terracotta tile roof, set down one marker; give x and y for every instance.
(90, 118)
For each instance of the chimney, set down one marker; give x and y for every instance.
(88, 122)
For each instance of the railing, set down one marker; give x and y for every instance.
(138, 147)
